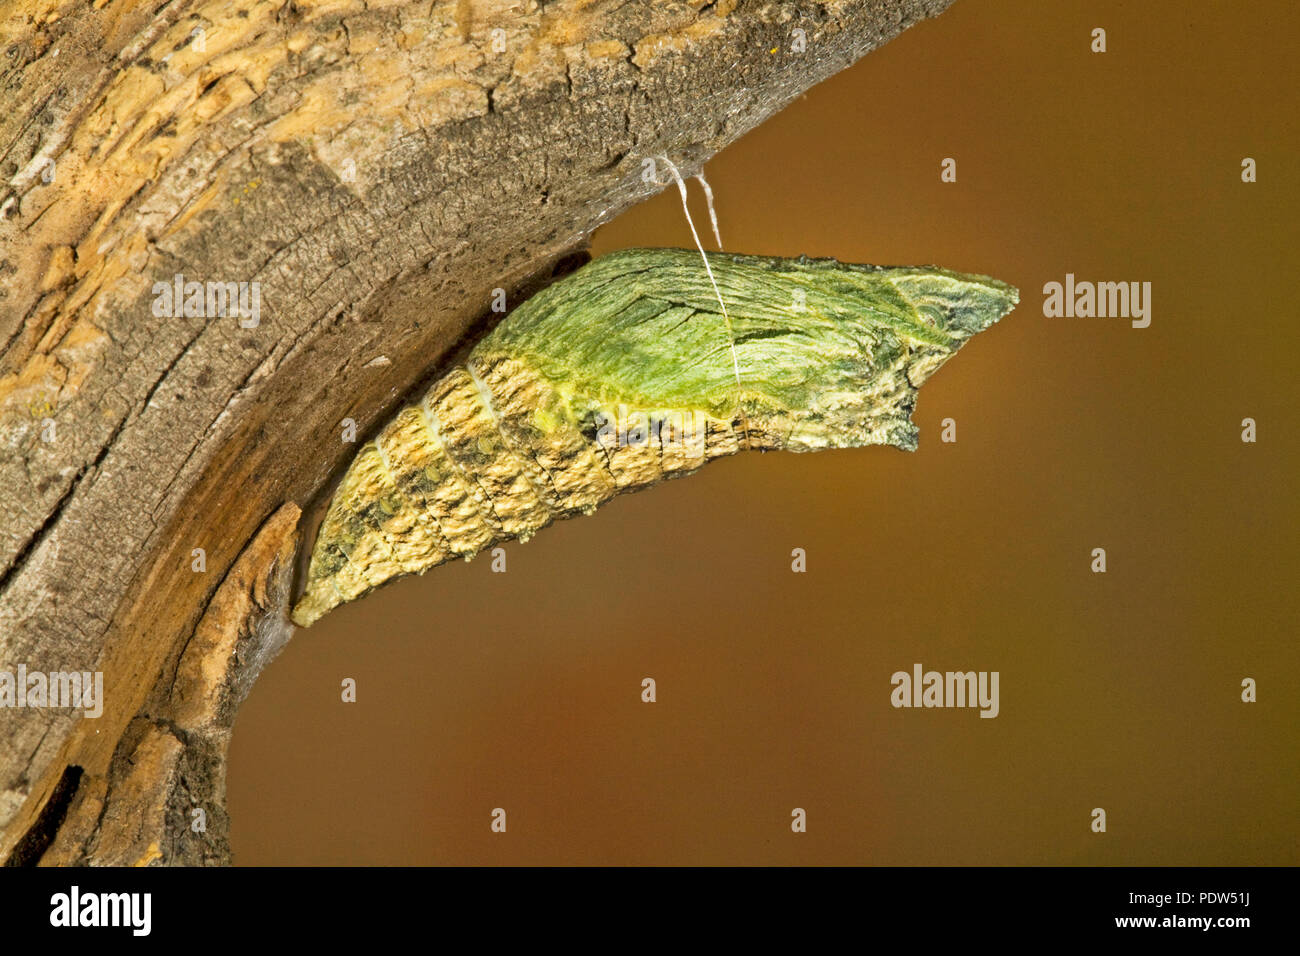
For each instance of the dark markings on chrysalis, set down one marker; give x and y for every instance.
(621, 375)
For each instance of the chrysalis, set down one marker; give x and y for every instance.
(624, 374)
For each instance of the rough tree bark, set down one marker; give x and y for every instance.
(378, 167)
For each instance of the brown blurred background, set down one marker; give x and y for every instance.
(522, 690)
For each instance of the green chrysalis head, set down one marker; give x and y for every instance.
(828, 354)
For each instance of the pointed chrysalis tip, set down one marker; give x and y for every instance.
(310, 609)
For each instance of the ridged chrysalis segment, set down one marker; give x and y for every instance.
(622, 375)
(567, 468)
(468, 428)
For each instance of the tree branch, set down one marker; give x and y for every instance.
(370, 171)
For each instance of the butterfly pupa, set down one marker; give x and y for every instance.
(624, 374)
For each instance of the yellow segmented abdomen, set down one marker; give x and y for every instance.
(491, 453)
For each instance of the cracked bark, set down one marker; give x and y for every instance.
(379, 169)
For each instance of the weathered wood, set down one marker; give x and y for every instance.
(378, 168)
